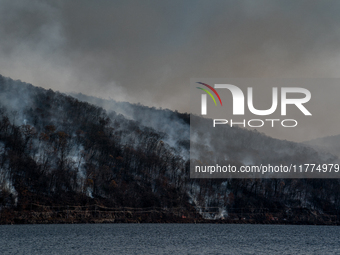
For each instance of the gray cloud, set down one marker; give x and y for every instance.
(147, 51)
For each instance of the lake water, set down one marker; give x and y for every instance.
(168, 239)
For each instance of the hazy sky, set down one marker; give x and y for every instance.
(147, 51)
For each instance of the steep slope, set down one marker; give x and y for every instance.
(58, 151)
(172, 123)
(240, 145)
(54, 145)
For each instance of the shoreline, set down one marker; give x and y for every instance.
(34, 217)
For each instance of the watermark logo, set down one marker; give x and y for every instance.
(238, 104)
(238, 99)
(264, 128)
(204, 97)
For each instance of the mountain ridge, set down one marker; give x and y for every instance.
(59, 151)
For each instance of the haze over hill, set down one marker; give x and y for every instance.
(240, 145)
(147, 52)
(56, 150)
(329, 144)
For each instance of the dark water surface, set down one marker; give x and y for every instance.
(168, 239)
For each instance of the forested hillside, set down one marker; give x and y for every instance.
(59, 152)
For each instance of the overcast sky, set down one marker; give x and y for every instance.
(147, 51)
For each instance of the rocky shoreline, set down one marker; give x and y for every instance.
(9, 217)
